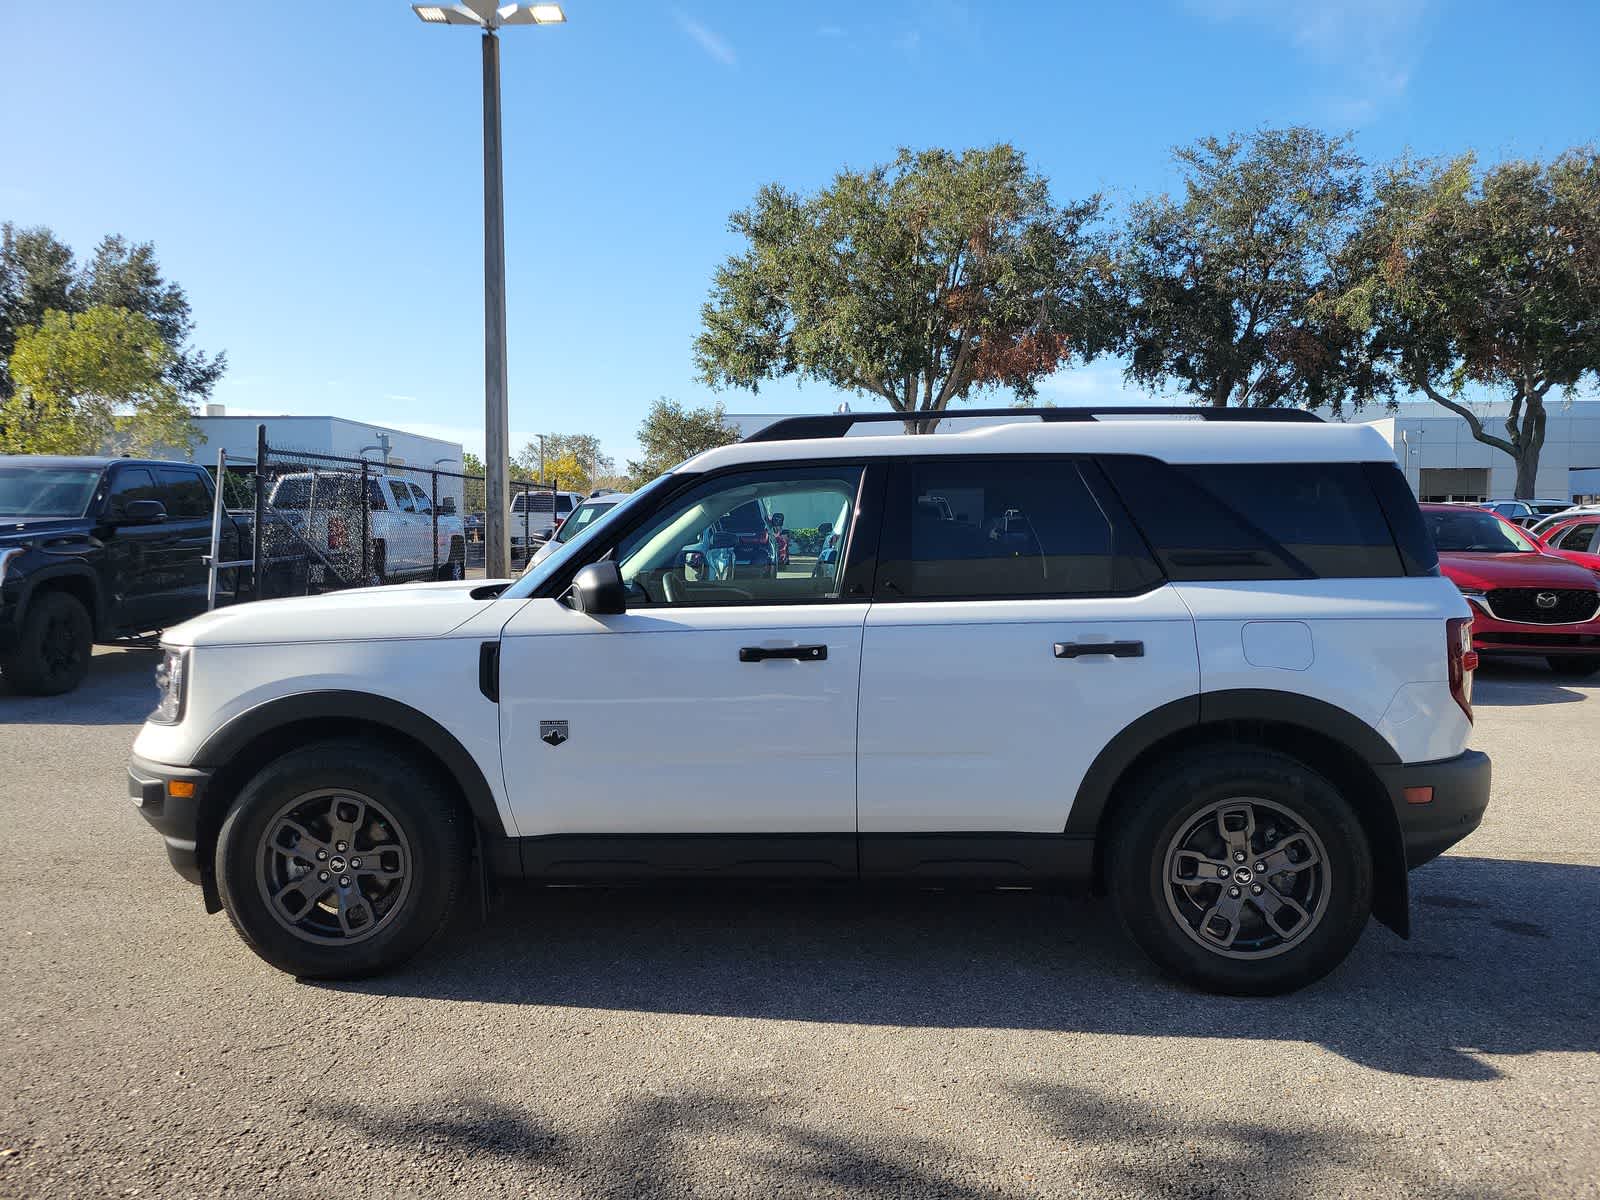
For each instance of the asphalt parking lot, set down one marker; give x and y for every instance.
(592, 1043)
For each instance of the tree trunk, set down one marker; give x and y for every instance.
(1529, 440)
(1527, 472)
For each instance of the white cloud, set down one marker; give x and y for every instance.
(1370, 46)
(709, 40)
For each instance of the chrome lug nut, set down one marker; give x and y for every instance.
(321, 854)
(1238, 855)
(1261, 868)
(340, 847)
(1222, 872)
(344, 881)
(1255, 889)
(355, 864)
(322, 877)
(1233, 893)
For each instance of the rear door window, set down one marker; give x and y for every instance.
(402, 495)
(1017, 528)
(184, 493)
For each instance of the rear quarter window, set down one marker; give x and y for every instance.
(1245, 521)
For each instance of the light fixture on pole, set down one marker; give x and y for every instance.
(489, 17)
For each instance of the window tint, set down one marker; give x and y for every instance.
(184, 493)
(1473, 531)
(402, 495)
(127, 485)
(1399, 505)
(584, 516)
(423, 504)
(1259, 520)
(1577, 538)
(1014, 527)
(715, 545)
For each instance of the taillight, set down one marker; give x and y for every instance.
(1462, 660)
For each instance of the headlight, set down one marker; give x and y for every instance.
(1480, 598)
(172, 683)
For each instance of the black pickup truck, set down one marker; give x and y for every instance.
(100, 550)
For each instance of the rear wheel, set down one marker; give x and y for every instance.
(454, 567)
(341, 860)
(377, 566)
(1580, 665)
(54, 646)
(1241, 871)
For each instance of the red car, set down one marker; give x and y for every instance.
(1576, 539)
(1525, 598)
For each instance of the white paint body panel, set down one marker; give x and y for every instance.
(668, 732)
(1370, 639)
(969, 722)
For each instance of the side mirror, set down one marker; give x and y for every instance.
(597, 590)
(143, 512)
(448, 505)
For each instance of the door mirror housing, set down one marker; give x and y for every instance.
(597, 590)
(143, 512)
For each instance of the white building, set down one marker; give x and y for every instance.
(321, 435)
(1443, 461)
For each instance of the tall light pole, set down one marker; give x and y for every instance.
(489, 17)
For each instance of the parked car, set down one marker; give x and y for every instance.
(1576, 539)
(1525, 599)
(535, 515)
(1545, 524)
(1208, 666)
(100, 550)
(576, 522)
(1525, 512)
(406, 539)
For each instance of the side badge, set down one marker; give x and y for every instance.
(552, 733)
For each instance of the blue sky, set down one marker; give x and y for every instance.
(311, 173)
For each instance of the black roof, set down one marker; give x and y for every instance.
(97, 461)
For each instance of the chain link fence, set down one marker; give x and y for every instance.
(328, 521)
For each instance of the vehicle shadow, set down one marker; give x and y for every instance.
(1520, 682)
(1505, 960)
(119, 690)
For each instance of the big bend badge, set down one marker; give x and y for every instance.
(552, 733)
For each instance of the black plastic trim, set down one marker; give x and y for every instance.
(489, 671)
(1016, 859)
(1460, 796)
(833, 425)
(175, 818)
(238, 733)
(655, 857)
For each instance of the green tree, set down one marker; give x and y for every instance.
(1226, 288)
(915, 282)
(93, 382)
(670, 433)
(473, 489)
(570, 460)
(1484, 284)
(39, 274)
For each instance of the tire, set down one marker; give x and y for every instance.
(282, 831)
(1580, 665)
(1176, 823)
(377, 568)
(54, 646)
(455, 567)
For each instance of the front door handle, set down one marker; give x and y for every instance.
(802, 653)
(1114, 649)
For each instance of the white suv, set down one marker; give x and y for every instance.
(1206, 664)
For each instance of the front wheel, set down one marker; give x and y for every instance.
(341, 859)
(54, 646)
(1241, 871)
(1579, 665)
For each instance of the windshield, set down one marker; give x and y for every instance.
(28, 490)
(539, 572)
(582, 517)
(1474, 532)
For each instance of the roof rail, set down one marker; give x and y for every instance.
(838, 424)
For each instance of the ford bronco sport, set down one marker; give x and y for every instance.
(1204, 662)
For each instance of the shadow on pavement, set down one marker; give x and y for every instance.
(1505, 960)
(1519, 682)
(666, 1145)
(119, 690)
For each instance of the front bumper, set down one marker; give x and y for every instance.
(176, 818)
(1460, 795)
(1490, 635)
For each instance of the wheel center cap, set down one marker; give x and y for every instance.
(336, 863)
(1242, 875)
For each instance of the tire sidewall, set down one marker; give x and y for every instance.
(26, 668)
(1170, 799)
(433, 826)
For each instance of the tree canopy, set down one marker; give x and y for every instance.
(97, 381)
(1484, 283)
(571, 460)
(914, 282)
(1227, 287)
(670, 433)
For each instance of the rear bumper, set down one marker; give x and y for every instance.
(1459, 797)
(176, 818)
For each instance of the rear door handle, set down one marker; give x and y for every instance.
(1114, 649)
(802, 653)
